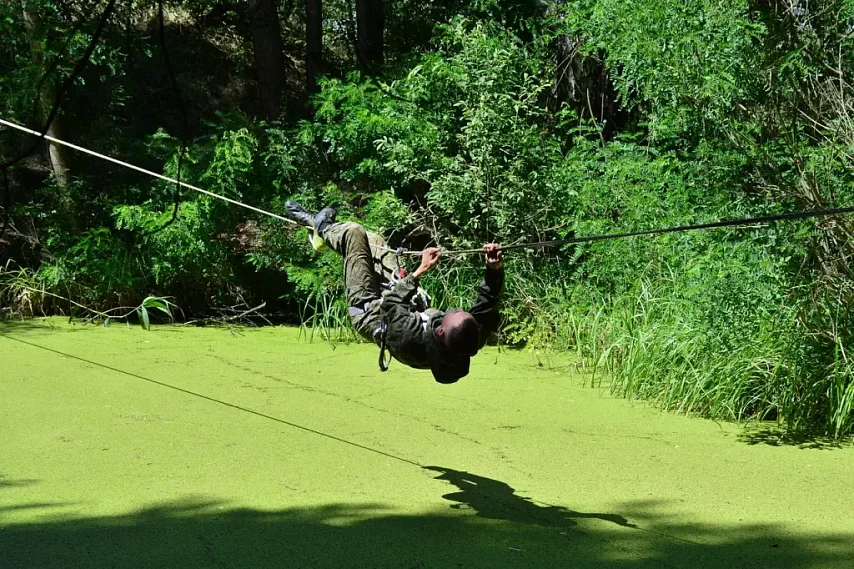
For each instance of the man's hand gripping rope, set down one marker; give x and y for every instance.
(430, 258)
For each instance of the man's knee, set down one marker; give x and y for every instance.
(346, 238)
(355, 235)
(352, 228)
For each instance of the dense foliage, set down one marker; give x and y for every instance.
(490, 120)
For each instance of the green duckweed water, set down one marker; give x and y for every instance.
(194, 447)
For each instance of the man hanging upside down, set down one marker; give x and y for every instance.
(398, 319)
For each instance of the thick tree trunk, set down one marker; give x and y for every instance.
(58, 156)
(269, 55)
(313, 43)
(582, 82)
(370, 25)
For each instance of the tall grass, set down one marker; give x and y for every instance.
(325, 314)
(656, 341)
(657, 349)
(654, 346)
(21, 293)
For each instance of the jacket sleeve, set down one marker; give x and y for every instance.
(402, 323)
(485, 307)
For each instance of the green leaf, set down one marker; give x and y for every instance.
(158, 303)
(107, 322)
(143, 318)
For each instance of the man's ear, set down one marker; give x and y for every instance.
(440, 331)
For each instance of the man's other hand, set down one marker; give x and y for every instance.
(429, 258)
(494, 255)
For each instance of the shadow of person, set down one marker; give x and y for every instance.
(496, 500)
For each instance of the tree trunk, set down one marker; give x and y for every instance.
(269, 55)
(313, 43)
(58, 156)
(582, 81)
(370, 24)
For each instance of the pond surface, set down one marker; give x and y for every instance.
(209, 447)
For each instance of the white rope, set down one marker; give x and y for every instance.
(143, 170)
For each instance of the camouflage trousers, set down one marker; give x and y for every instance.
(367, 268)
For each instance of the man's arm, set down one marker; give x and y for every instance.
(485, 307)
(402, 292)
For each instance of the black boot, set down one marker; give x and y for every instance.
(324, 219)
(299, 214)
(317, 223)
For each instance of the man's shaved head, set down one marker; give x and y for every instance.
(460, 332)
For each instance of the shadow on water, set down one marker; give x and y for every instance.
(40, 326)
(777, 436)
(498, 501)
(488, 525)
(55, 325)
(15, 483)
(506, 531)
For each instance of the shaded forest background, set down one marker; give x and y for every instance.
(456, 123)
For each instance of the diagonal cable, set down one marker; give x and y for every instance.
(142, 170)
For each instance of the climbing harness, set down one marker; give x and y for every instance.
(381, 333)
(419, 303)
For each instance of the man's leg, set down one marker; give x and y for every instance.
(385, 262)
(350, 240)
(366, 264)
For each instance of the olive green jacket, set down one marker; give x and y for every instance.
(411, 337)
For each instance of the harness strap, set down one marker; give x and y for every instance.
(379, 334)
(382, 331)
(384, 359)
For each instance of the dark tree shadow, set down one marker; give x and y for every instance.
(203, 534)
(498, 501)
